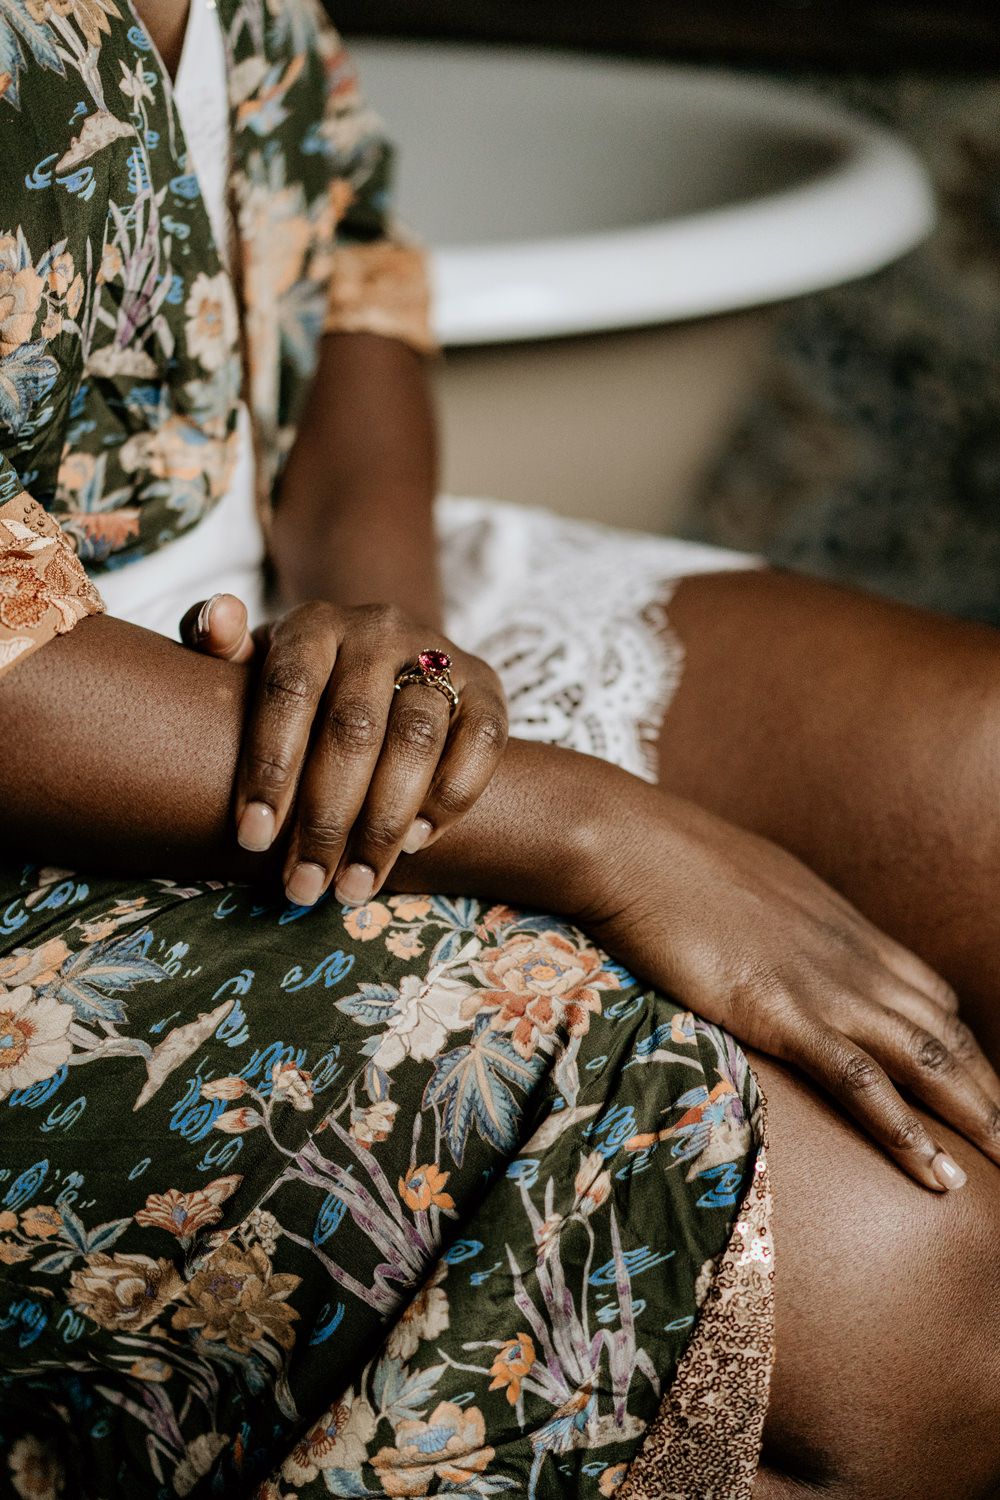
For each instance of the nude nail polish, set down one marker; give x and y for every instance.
(420, 832)
(947, 1171)
(306, 884)
(256, 828)
(355, 886)
(205, 615)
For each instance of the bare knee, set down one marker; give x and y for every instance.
(888, 1315)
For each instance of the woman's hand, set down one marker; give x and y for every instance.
(349, 770)
(749, 938)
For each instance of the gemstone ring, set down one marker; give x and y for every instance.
(431, 669)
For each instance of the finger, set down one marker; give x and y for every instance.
(913, 971)
(856, 1081)
(347, 742)
(949, 1029)
(293, 680)
(919, 1060)
(474, 750)
(415, 738)
(219, 627)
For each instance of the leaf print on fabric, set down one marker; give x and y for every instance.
(471, 1084)
(19, 28)
(92, 979)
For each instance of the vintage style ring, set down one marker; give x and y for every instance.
(431, 669)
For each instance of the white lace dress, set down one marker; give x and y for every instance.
(572, 615)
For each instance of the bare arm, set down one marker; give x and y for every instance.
(120, 754)
(354, 523)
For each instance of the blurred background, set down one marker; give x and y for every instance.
(688, 278)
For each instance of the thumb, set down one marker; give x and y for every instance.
(219, 627)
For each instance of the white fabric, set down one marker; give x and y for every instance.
(572, 615)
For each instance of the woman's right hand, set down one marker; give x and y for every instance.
(749, 938)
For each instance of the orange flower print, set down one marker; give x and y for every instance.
(183, 1214)
(423, 1187)
(513, 1361)
(292, 1085)
(612, 1479)
(236, 1121)
(35, 1473)
(8, 1221)
(405, 944)
(366, 922)
(451, 1444)
(409, 908)
(375, 1123)
(11, 1253)
(42, 1221)
(124, 1292)
(224, 1088)
(542, 984)
(237, 1298)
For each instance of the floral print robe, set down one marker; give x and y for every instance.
(414, 1199)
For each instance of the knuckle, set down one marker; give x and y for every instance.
(906, 1134)
(385, 619)
(380, 833)
(488, 732)
(417, 730)
(961, 1042)
(992, 1124)
(353, 726)
(269, 771)
(453, 797)
(321, 835)
(858, 1074)
(932, 1054)
(288, 686)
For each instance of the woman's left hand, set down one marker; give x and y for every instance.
(350, 770)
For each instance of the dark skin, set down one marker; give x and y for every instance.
(787, 723)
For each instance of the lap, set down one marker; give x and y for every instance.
(264, 1168)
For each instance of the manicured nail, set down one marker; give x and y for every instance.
(947, 1171)
(255, 830)
(355, 886)
(205, 615)
(306, 884)
(420, 832)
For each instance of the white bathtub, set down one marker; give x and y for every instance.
(564, 195)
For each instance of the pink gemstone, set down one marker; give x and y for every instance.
(434, 661)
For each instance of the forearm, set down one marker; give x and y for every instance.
(354, 521)
(121, 754)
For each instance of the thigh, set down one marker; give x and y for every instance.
(864, 737)
(887, 1368)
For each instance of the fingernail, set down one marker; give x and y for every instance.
(205, 614)
(306, 884)
(420, 832)
(255, 830)
(947, 1171)
(355, 886)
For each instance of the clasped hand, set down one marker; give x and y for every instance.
(344, 769)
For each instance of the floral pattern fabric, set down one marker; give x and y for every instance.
(44, 590)
(122, 335)
(418, 1198)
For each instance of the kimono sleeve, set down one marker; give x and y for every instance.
(380, 282)
(44, 590)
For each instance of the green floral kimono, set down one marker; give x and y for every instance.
(412, 1199)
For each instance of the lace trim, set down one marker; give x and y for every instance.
(44, 590)
(381, 288)
(705, 1441)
